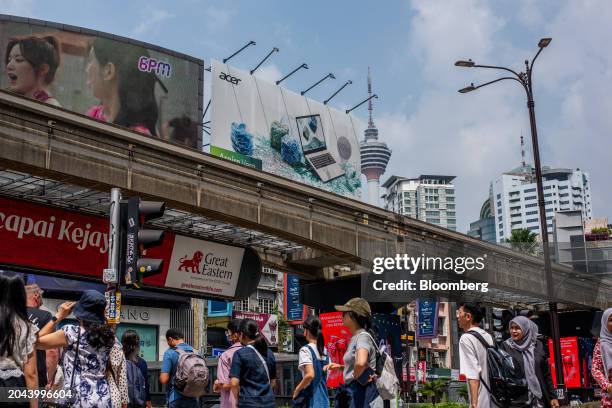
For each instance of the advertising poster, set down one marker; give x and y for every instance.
(148, 338)
(66, 242)
(337, 338)
(570, 360)
(150, 90)
(389, 334)
(422, 371)
(268, 324)
(427, 323)
(261, 125)
(295, 311)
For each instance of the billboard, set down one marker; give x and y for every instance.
(337, 338)
(571, 362)
(268, 325)
(269, 128)
(142, 87)
(76, 245)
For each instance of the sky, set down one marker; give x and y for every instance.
(410, 47)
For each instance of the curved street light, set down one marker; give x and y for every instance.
(525, 79)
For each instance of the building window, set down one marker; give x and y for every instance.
(450, 213)
(450, 199)
(532, 220)
(500, 227)
(530, 198)
(242, 305)
(432, 213)
(450, 206)
(499, 211)
(499, 196)
(450, 191)
(529, 190)
(265, 305)
(531, 213)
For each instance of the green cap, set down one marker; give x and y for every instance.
(358, 305)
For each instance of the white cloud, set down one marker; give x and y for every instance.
(269, 73)
(151, 22)
(477, 136)
(22, 8)
(217, 18)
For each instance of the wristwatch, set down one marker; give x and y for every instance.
(54, 319)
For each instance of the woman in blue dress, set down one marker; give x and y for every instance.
(313, 362)
(87, 349)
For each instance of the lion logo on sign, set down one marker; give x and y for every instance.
(192, 264)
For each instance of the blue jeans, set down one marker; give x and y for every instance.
(184, 403)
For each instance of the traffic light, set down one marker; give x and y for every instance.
(138, 239)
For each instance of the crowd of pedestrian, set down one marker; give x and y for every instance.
(88, 359)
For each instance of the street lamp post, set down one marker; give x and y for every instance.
(525, 79)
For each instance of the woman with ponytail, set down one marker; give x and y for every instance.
(313, 362)
(253, 368)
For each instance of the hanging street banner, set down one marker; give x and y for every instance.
(268, 324)
(57, 241)
(427, 322)
(337, 337)
(295, 311)
(264, 126)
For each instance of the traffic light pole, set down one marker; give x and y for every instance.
(112, 274)
(115, 235)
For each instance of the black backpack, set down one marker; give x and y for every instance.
(506, 382)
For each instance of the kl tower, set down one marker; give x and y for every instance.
(374, 155)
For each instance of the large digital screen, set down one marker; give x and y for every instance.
(267, 127)
(142, 87)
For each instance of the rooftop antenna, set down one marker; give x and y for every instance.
(523, 151)
(370, 121)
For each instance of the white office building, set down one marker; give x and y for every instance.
(515, 198)
(429, 198)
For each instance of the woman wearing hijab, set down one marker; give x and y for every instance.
(530, 355)
(602, 359)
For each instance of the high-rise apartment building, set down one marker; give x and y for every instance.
(429, 198)
(515, 198)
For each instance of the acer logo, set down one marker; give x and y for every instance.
(229, 78)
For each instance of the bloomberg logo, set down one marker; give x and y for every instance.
(229, 78)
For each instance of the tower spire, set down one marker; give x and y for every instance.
(371, 121)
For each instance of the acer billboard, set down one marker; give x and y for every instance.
(267, 127)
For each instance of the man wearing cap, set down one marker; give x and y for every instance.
(46, 361)
(360, 357)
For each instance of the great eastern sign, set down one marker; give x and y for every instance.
(54, 240)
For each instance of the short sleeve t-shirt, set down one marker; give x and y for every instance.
(255, 389)
(305, 357)
(473, 363)
(26, 339)
(169, 364)
(360, 340)
(40, 318)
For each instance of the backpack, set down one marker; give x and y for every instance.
(506, 380)
(191, 375)
(136, 385)
(387, 382)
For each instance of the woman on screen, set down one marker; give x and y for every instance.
(126, 94)
(31, 64)
(602, 359)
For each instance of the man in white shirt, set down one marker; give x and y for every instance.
(473, 354)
